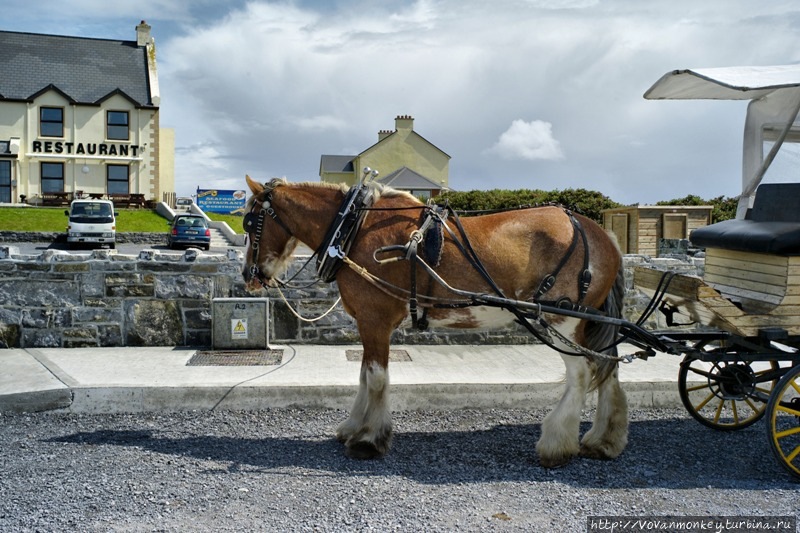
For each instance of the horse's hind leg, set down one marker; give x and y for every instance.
(560, 429)
(609, 433)
(367, 432)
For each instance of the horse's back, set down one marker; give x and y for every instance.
(525, 245)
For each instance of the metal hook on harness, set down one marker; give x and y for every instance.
(389, 249)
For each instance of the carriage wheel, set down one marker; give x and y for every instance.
(783, 422)
(725, 395)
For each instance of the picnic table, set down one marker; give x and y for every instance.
(56, 198)
(127, 200)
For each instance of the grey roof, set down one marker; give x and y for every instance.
(337, 163)
(407, 179)
(84, 70)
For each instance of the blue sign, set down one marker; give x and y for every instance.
(221, 201)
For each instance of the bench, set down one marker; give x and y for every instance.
(755, 262)
(55, 199)
(127, 200)
(771, 226)
(120, 200)
(137, 200)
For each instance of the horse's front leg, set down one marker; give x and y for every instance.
(367, 432)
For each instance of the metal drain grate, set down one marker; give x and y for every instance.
(236, 358)
(395, 356)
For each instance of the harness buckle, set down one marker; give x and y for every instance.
(335, 251)
(546, 284)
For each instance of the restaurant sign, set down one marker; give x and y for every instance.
(221, 201)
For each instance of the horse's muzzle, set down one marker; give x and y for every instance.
(257, 283)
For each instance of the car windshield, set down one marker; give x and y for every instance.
(91, 213)
(193, 222)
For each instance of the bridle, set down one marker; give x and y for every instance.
(254, 223)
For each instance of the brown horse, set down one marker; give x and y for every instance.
(517, 249)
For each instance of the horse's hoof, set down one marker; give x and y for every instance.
(345, 431)
(554, 462)
(363, 450)
(596, 453)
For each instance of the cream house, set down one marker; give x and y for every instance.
(404, 158)
(81, 114)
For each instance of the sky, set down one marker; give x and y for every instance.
(536, 94)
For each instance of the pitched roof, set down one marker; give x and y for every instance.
(384, 139)
(84, 70)
(407, 179)
(337, 163)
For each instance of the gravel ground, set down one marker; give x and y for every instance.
(281, 470)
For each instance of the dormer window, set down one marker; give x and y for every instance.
(117, 125)
(51, 122)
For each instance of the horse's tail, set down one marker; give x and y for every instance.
(602, 336)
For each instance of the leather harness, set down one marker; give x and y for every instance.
(350, 216)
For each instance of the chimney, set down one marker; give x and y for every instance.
(383, 134)
(143, 34)
(404, 122)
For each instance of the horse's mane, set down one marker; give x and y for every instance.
(379, 190)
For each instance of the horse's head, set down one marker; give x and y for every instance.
(270, 241)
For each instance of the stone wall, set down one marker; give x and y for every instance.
(636, 301)
(53, 237)
(58, 299)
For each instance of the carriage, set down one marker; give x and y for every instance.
(561, 276)
(738, 327)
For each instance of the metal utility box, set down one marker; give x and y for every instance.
(240, 323)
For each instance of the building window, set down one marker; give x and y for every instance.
(117, 125)
(117, 177)
(51, 122)
(5, 182)
(421, 194)
(52, 177)
(674, 225)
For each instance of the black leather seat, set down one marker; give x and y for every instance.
(772, 225)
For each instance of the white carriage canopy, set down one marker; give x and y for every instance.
(774, 94)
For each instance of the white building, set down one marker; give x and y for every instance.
(81, 115)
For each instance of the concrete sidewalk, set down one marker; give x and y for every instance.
(135, 379)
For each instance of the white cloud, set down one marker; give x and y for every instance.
(528, 140)
(273, 85)
(320, 123)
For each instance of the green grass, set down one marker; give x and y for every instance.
(128, 221)
(54, 219)
(234, 221)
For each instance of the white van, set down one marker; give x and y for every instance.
(91, 222)
(183, 204)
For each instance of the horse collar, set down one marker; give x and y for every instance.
(342, 231)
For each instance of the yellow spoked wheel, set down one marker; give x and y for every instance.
(726, 395)
(783, 426)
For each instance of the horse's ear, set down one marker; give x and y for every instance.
(255, 187)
